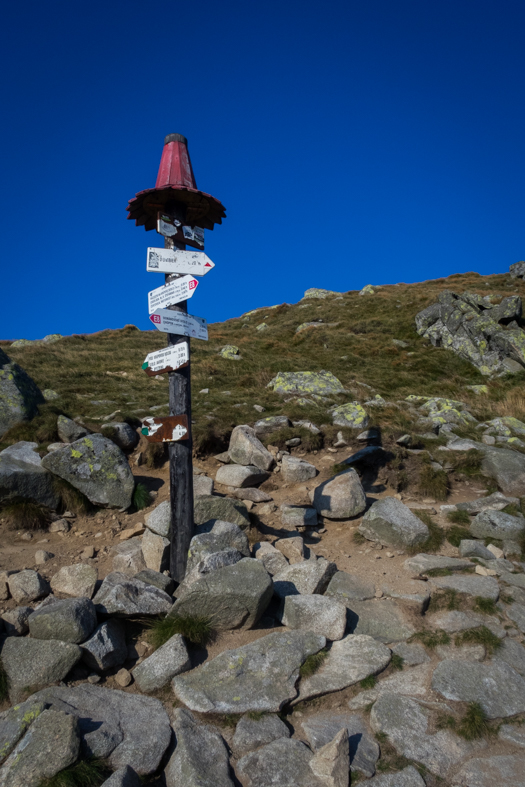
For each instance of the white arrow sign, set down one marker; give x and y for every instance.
(167, 360)
(180, 323)
(175, 261)
(172, 293)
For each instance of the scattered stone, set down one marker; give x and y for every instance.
(292, 548)
(273, 561)
(349, 660)
(15, 621)
(315, 613)
(211, 509)
(391, 523)
(419, 601)
(202, 485)
(351, 415)
(31, 663)
(68, 620)
(363, 749)
(14, 723)
(259, 676)
(77, 580)
(498, 525)
(298, 516)
(495, 551)
(41, 556)
(285, 761)
(494, 502)
(341, 497)
(157, 579)
(472, 585)
(200, 758)
(69, 431)
(240, 476)
(331, 763)
(469, 547)
(19, 394)
(158, 669)
(422, 564)
(127, 557)
(306, 578)
(159, 520)
(27, 586)
(383, 620)
(251, 494)
(251, 733)
(323, 383)
(59, 526)
(130, 532)
(271, 424)
(123, 596)
(208, 563)
(496, 687)
(123, 677)
(296, 471)
(348, 588)
(246, 449)
(22, 474)
(106, 648)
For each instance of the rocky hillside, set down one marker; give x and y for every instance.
(354, 603)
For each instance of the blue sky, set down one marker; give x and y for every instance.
(351, 143)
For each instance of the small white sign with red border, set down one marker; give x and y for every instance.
(174, 292)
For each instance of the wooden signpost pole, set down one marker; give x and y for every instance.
(180, 453)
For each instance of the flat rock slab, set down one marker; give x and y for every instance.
(260, 676)
(67, 620)
(505, 769)
(420, 564)
(200, 758)
(310, 576)
(383, 620)
(127, 729)
(283, 762)
(14, 723)
(77, 580)
(322, 728)
(498, 688)
(349, 660)
(406, 722)
(408, 777)
(240, 476)
(251, 734)
(494, 502)
(210, 508)
(455, 621)
(513, 654)
(410, 682)
(158, 669)
(124, 596)
(472, 585)
(513, 734)
(516, 612)
(32, 663)
(391, 523)
(498, 525)
(315, 613)
(412, 654)
(348, 587)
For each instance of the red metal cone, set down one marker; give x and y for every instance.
(175, 165)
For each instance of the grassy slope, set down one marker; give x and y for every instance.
(357, 349)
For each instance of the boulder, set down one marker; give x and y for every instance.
(15, 722)
(341, 497)
(498, 525)
(69, 620)
(15, 621)
(383, 620)
(391, 523)
(501, 769)
(31, 663)
(27, 585)
(235, 596)
(202, 485)
(231, 352)
(124, 596)
(331, 763)
(124, 777)
(292, 548)
(272, 559)
(298, 516)
(251, 493)
(106, 648)
(97, 467)
(252, 733)
(310, 576)
(412, 682)
(469, 547)
(211, 509)
(239, 476)
(50, 745)
(411, 654)
(160, 581)
(124, 728)
(471, 584)
(158, 669)
(76, 580)
(349, 660)
(259, 676)
(246, 449)
(215, 537)
(23, 476)
(69, 431)
(321, 383)
(507, 467)
(19, 394)
(454, 621)
(159, 520)
(498, 688)
(351, 415)
(271, 423)
(122, 434)
(200, 758)
(128, 557)
(322, 728)
(422, 564)
(494, 502)
(347, 588)
(315, 613)
(296, 471)
(285, 761)
(156, 551)
(517, 270)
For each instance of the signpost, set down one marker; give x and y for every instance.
(170, 294)
(178, 261)
(179, 212)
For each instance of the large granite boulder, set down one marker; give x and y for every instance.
(14, 723)
(97, 467)
(507, 467)
(19, 394)
(391, 523)
(209, 509)
(124, 596)
(23, 476)
(305, 578)
(498, 525)
(32, 663)
(341, 497)
(200, 758)
(69, 431)
(321, 383)
(246, 449)
(68, 620)
(319, 614)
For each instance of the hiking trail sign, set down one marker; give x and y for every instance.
(169, 294)
(180, 323)
(178, 261)
(167, 429)
(167, 360)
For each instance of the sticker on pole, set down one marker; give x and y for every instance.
(167, 224)
(170, 227)
(196, 263)
(168, 359)
(169, 429)
(180, 324)
(174, 292)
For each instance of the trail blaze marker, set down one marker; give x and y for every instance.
(176, 261)
(168, 360)
(172, 293)
(169, 429)
(181, 213)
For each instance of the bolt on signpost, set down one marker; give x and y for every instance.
(181, 213)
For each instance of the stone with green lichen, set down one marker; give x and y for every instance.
(15, 722)
(367, 290)
(97, 467)
(19, 395)
(478, 389)
(231, 352)
(49, 395)
(315, 292)
(322, 383)
(261, 327)
(352, 415)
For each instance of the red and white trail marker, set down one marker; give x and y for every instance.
(197, 263)
(169, 429)
(169, 294)
(180, 323)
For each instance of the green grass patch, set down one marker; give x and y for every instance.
(439, 572)
(431, 639)
(485, 605)
(468, 463)
(459, 518)
(472, 725)
(389, 760)
(25, 515)
(71, 499)
(256, 715)
(435, 538)
(358, 538)
(309, 441)
(479, 636)
(313, 663)
(369, 682)
(397, 662)
(456, 534)
(433, 483)
(141, 497)
(86, 773)
(445, 599)
(512, 509)
(195, 628)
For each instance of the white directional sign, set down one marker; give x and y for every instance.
(180, 323)
(175, 261)
(167, 360)
(172, 293)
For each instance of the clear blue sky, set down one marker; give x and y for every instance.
(351, 142)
